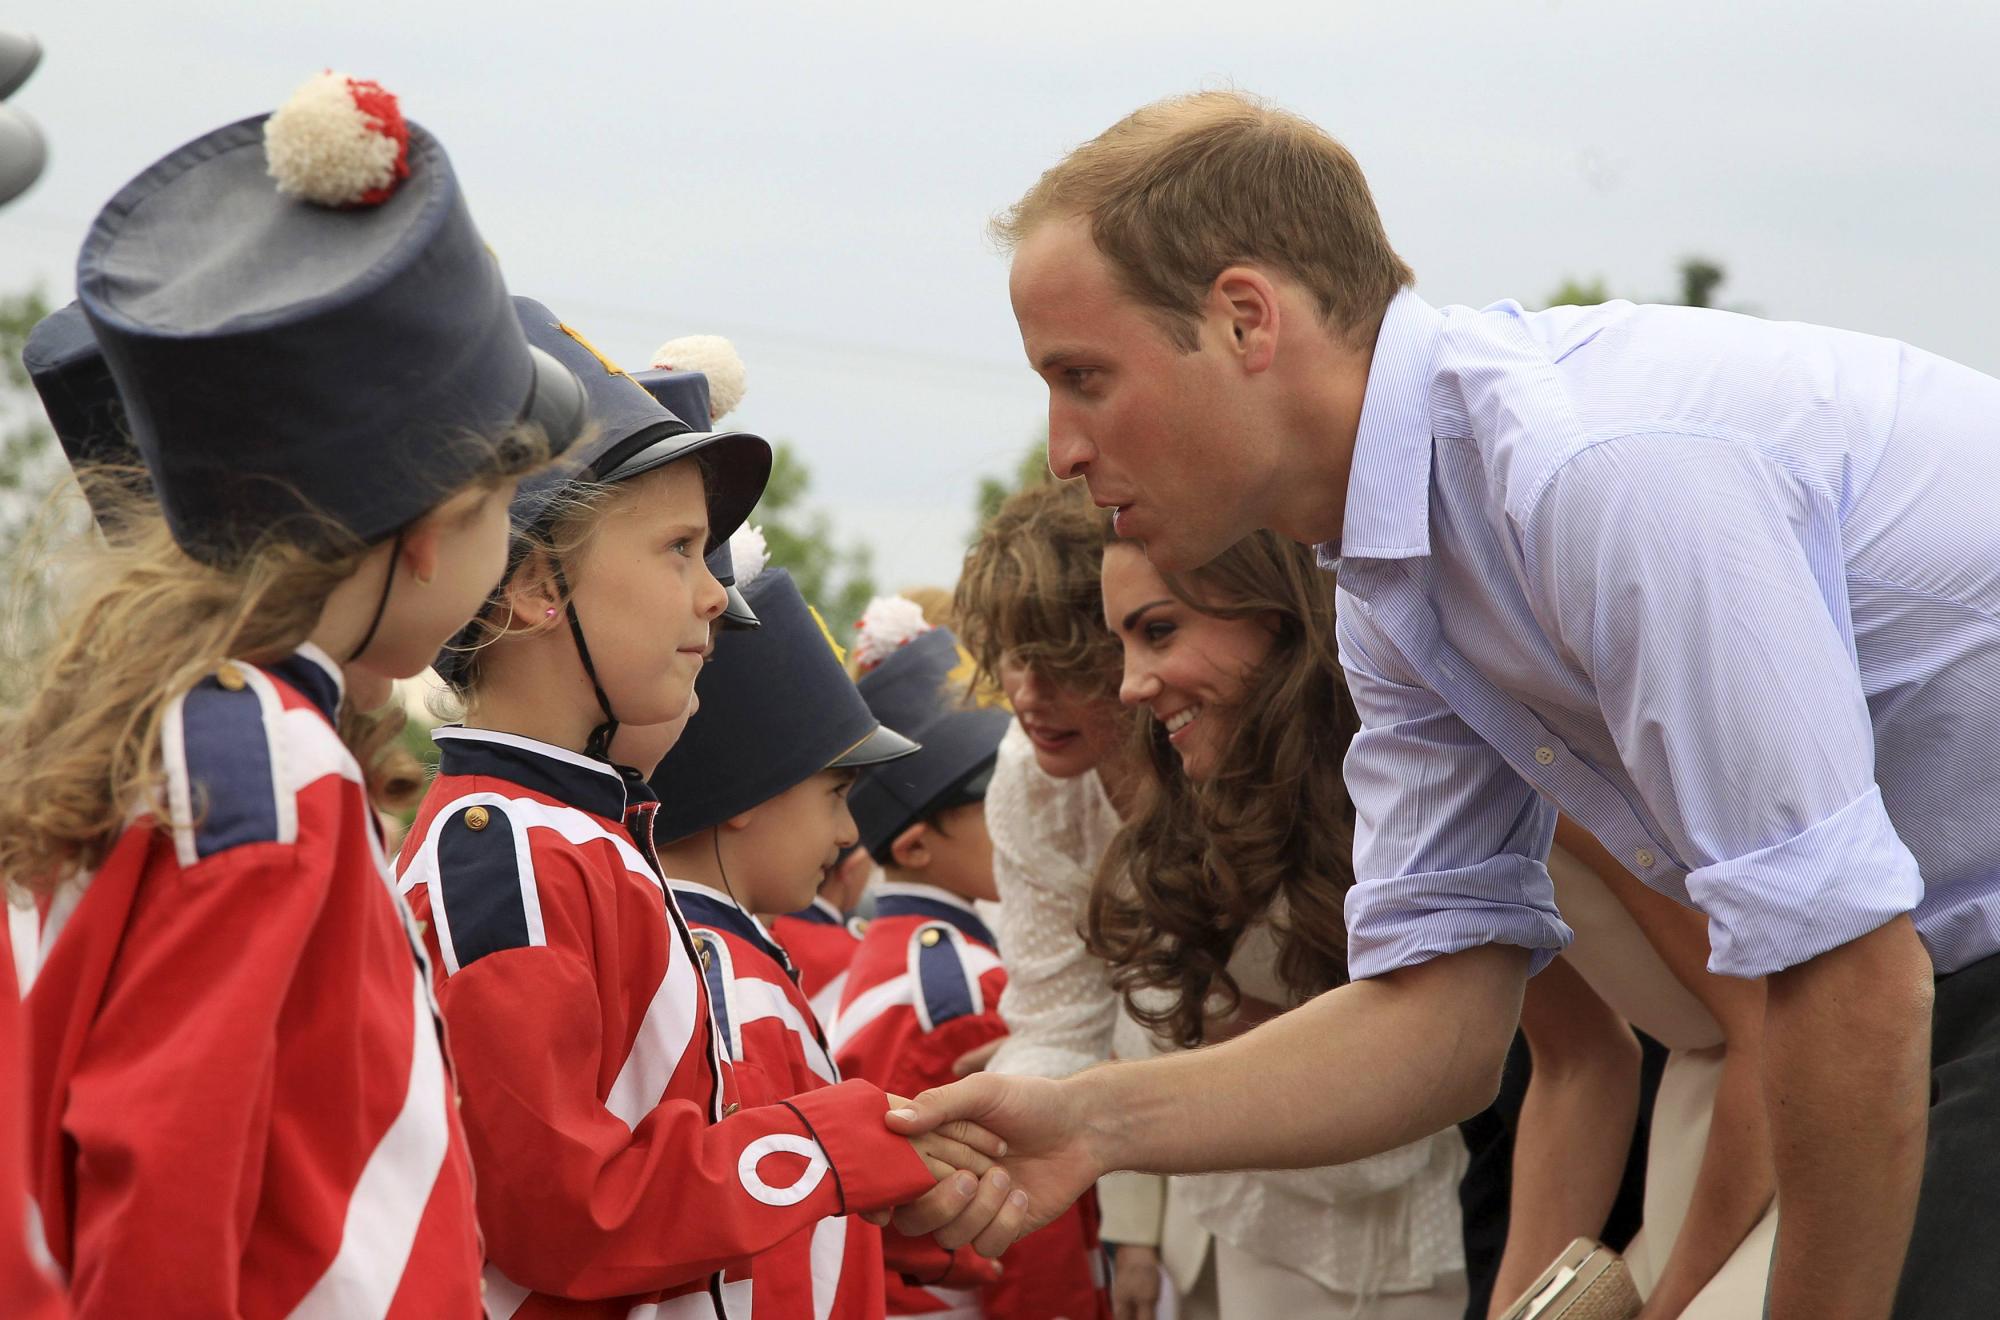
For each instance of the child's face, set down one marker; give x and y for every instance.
(960, 853)
(791, 843)
(645, 598)
(447, 563)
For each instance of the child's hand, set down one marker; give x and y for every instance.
(960, 1155)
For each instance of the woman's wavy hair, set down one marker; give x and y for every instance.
(132, 622)
(1269, 837)
(1029, 591)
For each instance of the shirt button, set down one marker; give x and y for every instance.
(1644, 857)
(730, 1108)
(930, 937)
(231, 678)
(1545, 755)
(476, 818)
(702, 949)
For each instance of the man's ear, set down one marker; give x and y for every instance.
(1246, 303)
(911, 850)
(530, 595)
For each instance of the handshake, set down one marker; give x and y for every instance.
(1009, 1154)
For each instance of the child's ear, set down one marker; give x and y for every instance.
(910, 851)
(422, 547)
(740, 821)
(530, 596)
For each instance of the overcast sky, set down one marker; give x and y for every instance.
(813, 180)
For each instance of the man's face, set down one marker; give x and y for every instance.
(1160, 434)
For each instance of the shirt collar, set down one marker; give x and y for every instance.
(317, 678)
(1389, 480)
(900, 898)
(703, 906)
(569, 777)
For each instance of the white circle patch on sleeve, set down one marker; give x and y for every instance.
(781, 1143)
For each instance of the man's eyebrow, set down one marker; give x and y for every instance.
(1133, 617)
(1055, 356)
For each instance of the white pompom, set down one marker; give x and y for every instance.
(338, 141)
(749, 553)
(714, 357)
(888, 624)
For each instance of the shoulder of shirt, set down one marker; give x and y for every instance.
(490, 853)
(238, 749)
(944, 975)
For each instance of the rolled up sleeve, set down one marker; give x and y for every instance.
(1450, 844)
(1702, 590)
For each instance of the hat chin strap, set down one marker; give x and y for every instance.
(382, 604)
(598, 746)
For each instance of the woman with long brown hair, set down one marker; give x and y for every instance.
(1220, 904)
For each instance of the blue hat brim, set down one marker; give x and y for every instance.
(883, 744)
(739, 464)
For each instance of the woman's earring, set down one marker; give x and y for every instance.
(549, 613)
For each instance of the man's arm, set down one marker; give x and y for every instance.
(1847, 1065)
(1361, 1069)
(1700, 586)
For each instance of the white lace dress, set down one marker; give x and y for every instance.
(1386, 1224)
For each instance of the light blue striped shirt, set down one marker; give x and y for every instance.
(1725, 591)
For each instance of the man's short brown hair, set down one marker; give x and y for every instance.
(1178, 191)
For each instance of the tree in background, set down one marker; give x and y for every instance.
(839, 579)
(30, 463)
(1700, 278)
(1032, 469)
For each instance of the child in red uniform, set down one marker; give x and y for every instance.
(821, 939)
(753, 801)
(238, 1101)
(924, 989)
(618, 1174)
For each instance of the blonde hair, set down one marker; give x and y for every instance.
(1029, 591)
(1178, 191)
(136, 623)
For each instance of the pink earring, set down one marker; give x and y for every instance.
(549, 613)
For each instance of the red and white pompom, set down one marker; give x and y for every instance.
(886, 626)
(338, 141)
(714, 357)
(748, 553)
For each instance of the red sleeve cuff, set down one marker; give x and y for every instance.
(874, 1167)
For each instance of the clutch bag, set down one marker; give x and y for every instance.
(1588, 1281)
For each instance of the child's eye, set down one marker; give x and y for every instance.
(684, 546)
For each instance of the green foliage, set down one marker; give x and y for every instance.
(1032, 469)
(839, 579)
(29, 461)
(1699, 276)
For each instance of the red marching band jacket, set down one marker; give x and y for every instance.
(238, 1100)
(924, 989)
(619, 1173)
(821, 943)
(833, 1269)
(29, 1289)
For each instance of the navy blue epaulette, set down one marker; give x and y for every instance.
(234, 763)
(944, 982)
(481, 877)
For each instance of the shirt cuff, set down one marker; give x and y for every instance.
(874, 1167)
(1827, 885)
(1509, 899)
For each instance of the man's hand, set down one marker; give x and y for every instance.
(1135, 1283)
(1847, 1041)
(1048, 1164)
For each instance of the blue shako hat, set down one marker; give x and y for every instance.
(777, 707)
(285, 361)
(685, 394)
(632, 433)
(82, 403)
(920, 691)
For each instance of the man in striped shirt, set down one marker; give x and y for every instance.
(1725, 591)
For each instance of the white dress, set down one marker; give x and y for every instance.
(1389, 1224)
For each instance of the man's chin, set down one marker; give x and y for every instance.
(1179, 554)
